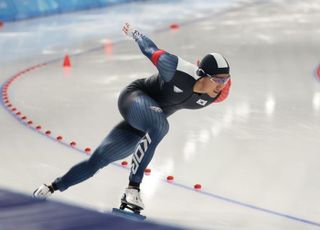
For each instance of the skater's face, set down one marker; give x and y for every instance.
(212, 85)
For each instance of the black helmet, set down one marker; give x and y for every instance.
(213, 64)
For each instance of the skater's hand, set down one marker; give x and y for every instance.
(130, 32)
(127, 30)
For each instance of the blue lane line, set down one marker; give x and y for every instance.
(239, 203)
(182, 186)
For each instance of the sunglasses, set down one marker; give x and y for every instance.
(213, 78)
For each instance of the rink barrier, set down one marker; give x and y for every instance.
(23, 119)
(13, 10)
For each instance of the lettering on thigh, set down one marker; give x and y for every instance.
(139, 153)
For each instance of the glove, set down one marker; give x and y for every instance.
(131, 32)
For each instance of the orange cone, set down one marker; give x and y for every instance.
(108, 47)
(67, 62)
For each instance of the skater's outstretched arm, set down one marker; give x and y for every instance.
(165, 62)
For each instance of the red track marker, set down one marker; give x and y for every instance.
(124, 163)
(170, 179)
(174, 26)
(147, 171)
(197, 186)
(48, 132)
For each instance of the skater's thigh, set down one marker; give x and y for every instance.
(123, 132)
(141, 111)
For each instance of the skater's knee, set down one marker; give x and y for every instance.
(164, 127)
(160, 129)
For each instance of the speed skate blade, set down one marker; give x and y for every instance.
(128, 215)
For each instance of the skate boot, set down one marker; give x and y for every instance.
(131, 200)
(43, 192)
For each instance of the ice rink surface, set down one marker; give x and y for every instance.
(256, 155)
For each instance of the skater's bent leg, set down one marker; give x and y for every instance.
(144, 114)
(119, 144)
(144, 152)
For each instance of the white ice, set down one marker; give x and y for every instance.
(259, 147)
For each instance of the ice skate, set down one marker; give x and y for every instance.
(43, 192)
(130, 200)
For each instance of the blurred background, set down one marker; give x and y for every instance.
(255, 155)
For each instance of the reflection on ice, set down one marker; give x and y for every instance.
(316, 101)
(270, 105)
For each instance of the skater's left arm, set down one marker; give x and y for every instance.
(165, 62)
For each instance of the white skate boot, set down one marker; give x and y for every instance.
(131, 199)
(43, 192)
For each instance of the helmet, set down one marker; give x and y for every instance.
(212, 64)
